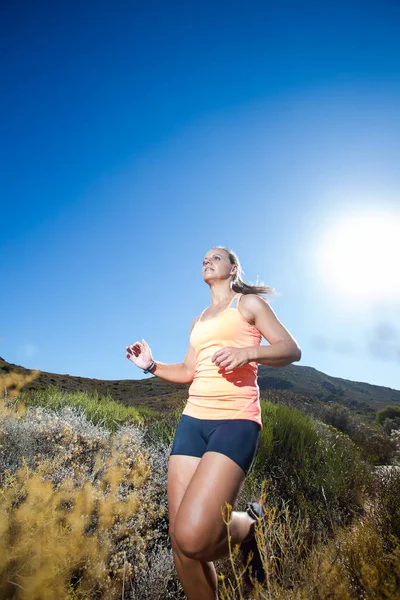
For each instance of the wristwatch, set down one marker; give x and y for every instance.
(150, 368)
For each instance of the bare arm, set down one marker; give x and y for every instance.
(283, 349)
(140, 354)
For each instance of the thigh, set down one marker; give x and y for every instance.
(238, 439)
(187, 449)
(199, 522)
(180, 472)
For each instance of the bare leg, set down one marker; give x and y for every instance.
(196, 493)
(199, 579)
(241, 526)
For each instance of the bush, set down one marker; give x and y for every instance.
(311, 465)
(83, 508)
(161, 430)
(375, 445)
(389, 412)
(390, 425)
(351, 564)
(103, 411)
(385, 506)
(83, 511)
(336, 415)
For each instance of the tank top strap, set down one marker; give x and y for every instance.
(202, 313)
(233, 304)
(235, 301)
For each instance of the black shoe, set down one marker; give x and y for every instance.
(256, 512)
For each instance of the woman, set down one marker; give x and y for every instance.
(217, 436)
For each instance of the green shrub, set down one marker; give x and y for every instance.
(389, 412)
(390, 425)
(99, 410)
(374, 443)
(336, 415)
(310, 464)
(161, 430)
(385, 505)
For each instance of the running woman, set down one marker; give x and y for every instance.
(217, 437)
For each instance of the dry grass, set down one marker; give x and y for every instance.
(12, 383)
(82, 509)
(83, 515)
(348, 563)
(58, 536)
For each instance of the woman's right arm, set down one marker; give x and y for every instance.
(140, 354)
(177, 373)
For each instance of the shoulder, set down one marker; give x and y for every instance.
(194, 323)
(251, 305)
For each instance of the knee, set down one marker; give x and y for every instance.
(174, 544)
(189, 543)
(181, 544)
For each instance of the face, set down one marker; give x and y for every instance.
(216, 264)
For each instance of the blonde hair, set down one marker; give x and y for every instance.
(238, 285)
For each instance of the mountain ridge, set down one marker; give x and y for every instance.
(163, 396)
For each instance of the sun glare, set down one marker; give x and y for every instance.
(359, 257)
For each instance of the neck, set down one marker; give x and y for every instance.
(221, 293)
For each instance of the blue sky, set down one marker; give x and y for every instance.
(137, 136)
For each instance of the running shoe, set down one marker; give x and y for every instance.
(256, 512)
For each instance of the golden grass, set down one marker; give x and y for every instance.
(79, 519)
(72, 542)
(353, 564)
(12, 383)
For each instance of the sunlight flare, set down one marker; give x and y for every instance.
(359, 256)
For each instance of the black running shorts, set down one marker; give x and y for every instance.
(236, 438)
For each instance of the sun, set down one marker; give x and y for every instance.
(358, 257)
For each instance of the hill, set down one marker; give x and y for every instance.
(308, 381)
(163, 396)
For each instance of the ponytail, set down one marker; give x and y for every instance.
(238, 285)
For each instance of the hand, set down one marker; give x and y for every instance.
(140, 354)
(229, 358)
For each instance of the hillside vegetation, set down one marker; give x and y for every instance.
(83, 507)
(162, 396)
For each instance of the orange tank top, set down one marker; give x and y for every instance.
(213, 393)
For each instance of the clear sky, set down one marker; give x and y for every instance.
(135, 136)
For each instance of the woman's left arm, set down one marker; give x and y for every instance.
(283, 349)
